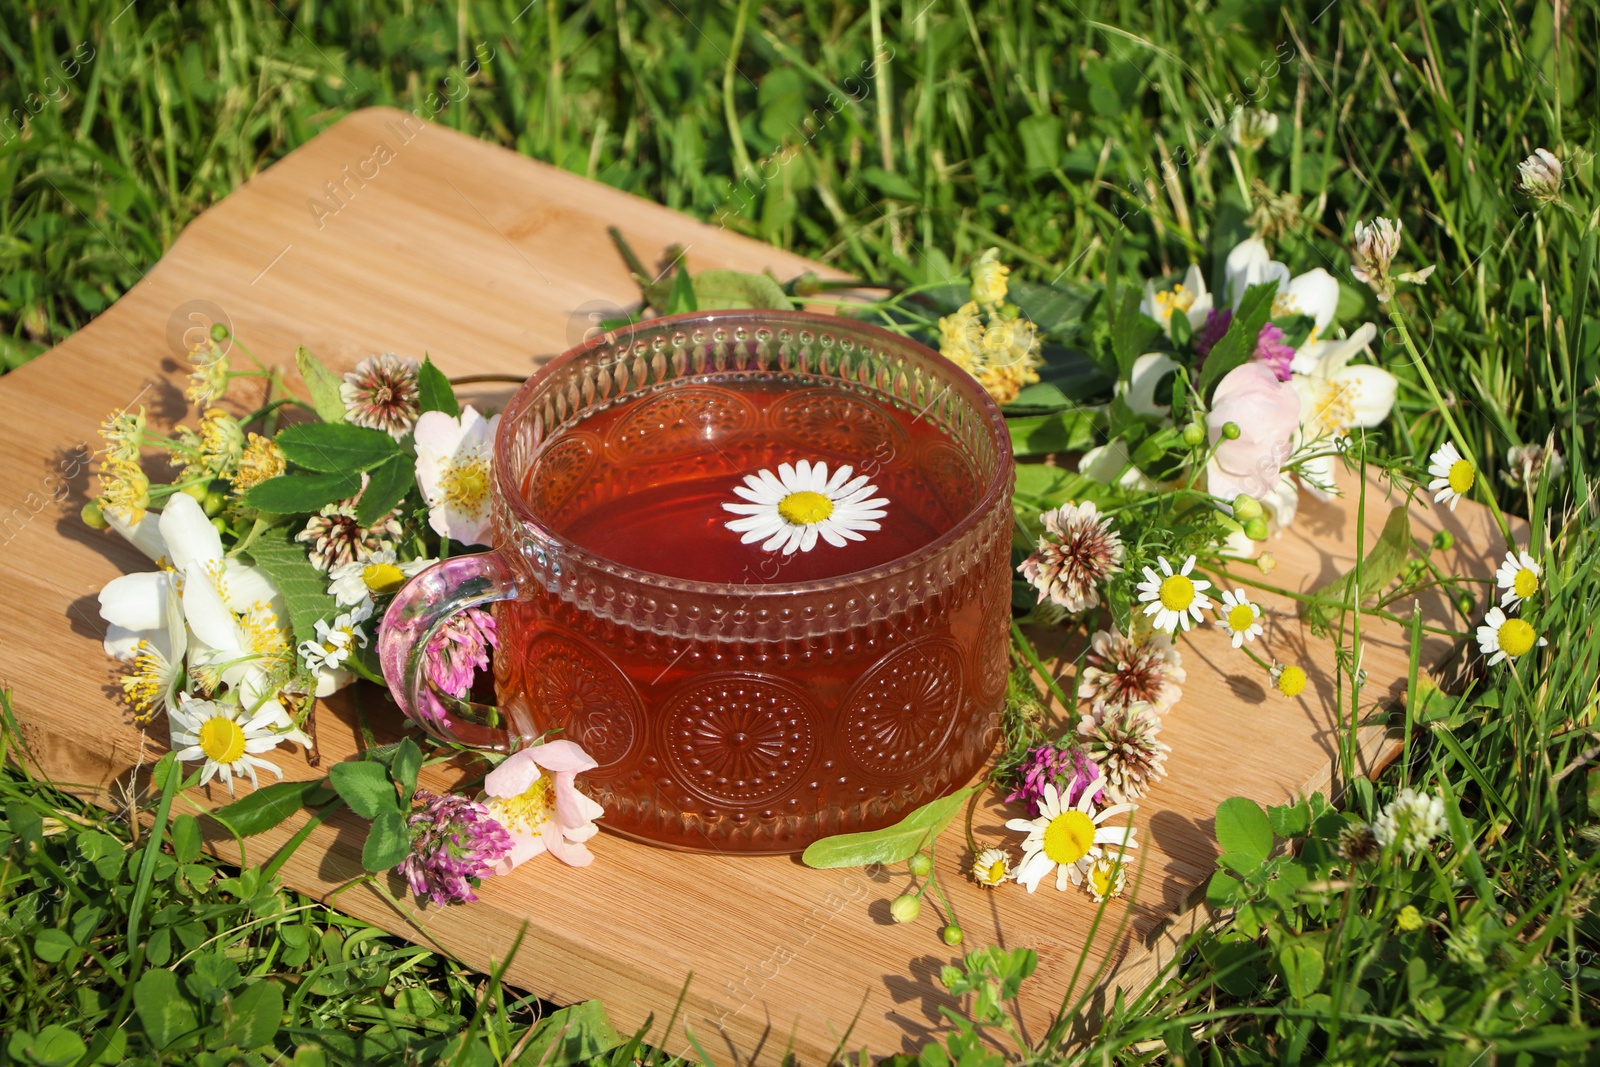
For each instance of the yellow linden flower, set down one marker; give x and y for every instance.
(124, 489)
(989, 279)
(262, 459)
(1409, 919)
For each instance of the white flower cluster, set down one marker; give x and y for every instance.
(1410, 822)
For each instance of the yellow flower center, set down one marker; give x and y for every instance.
(1285, 304)
(996, 872)
(383, 577)
(262, 634)
(529, 810)
(143, 687)
(1102, 877)
(221, 740)
(1525, 584)
(1177, 298)
(1291, 681)
(1069, 837)
(1240, 617)
(466, 485)
(1516, 637)
(805, 507)
(1461, 476)
(1177, 593)
(1409, 918)
(1334, 410)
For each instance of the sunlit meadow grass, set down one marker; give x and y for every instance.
(1088, 142)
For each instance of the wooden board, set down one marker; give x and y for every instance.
(489, 261)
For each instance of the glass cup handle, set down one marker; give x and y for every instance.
(419, 609)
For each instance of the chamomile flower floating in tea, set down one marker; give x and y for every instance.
(1238, 617)
(1067, 839)
(1501, 637)
(1172, 597)
(228, 740)
(791, 510)
(1452, 475)
(1518, 576)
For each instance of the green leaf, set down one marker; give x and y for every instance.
(1242, 827)
(185, 833)
(335, 448)
(1223, 890)
(1381, 565)
(1301, 965)
(387, 485)
(1064, 431)
(890, 184)
(1239, 343)
(163, 1009)
(54, 1046)
(1290, 820)
(571, 1035)
(434, 391)
(891, 844)
(680, 296)
(303, 587)
(365, 786)
(301, 494)
(323, 385)
(387, 842)
(1041, 142)
(251, 1019)
(52, 945)
(715, 290)
(265, 808)
(1131, 332)
(407, 762)
(1053, 309)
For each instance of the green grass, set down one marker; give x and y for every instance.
(1087, 141)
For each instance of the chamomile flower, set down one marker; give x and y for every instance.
(380, 574)
(1452, 475)
(800, 504)
(1500, 637)
(1238, 617)
(1106, 878)
(1068, 839)
(1519, 577)
(336, 640)
(991, 867)
(228, 739)
(1289, 679)
(1173, 598)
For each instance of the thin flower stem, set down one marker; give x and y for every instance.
(1026, 648)
(1460, 438)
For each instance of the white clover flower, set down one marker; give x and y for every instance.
(1540, 176)
(1410, 822)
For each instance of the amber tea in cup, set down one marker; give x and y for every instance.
(736, 697)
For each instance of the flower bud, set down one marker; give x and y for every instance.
(1231, 431)
(1540, 175)
(1267, 562)
(905, 908)
(1246, 507)
(1443, 541)
(219, 332)
(213, 504)
(1466, 605)
(199, 492)
(952, 935)
(93, 517)
(1194, 434)
(921, 864)
(1256, 529)
(218, 525)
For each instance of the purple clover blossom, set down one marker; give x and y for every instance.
(1216, 325)
(1271, 350)
(454, 843)
(1068, 769)
(458, 651)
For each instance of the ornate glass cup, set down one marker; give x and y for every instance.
(761, 710)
